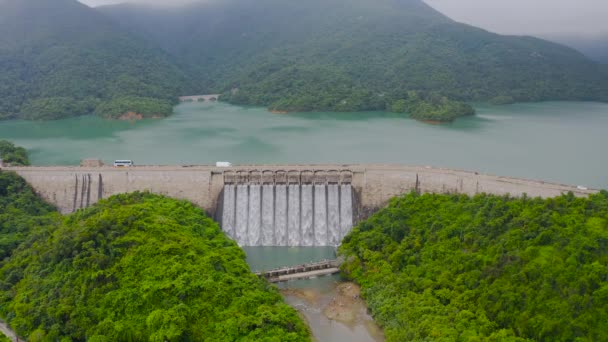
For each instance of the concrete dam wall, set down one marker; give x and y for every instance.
(290, 205)
(286, 208)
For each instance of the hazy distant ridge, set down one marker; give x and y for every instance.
(320, 54)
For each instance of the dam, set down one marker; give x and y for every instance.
(276, 205)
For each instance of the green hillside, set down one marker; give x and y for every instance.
(345, 55)
(13, 155)
(485, 268)
(139, 267)
(60, 58)
(20, 212)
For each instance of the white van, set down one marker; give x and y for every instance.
(123, 163)
(223, 164)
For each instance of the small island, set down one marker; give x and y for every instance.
(431, 107)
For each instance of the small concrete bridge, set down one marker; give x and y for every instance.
(305, 271)
(200, 98)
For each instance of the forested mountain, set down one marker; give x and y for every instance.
(485, 268)
(595, 48)
(135, 267)
(357, 55)
(61, 58)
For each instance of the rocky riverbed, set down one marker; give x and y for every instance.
(335, 314)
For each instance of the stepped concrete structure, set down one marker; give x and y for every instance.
(276, 205)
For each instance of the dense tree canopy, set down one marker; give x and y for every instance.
(14, 155)
(485, 268)
(140, 267)
(431, 107)
(61, 59)
(20, 211)
(345, 55)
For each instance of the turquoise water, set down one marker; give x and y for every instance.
(268, 258)
(555, 141)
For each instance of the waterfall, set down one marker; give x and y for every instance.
(346, 210)
(293, 216)
(280, 216)
(320, 216)
(287, 215)
(268, 234)
(255, 217)
(242, 214)
(306, 219)
(229, 209)
(333, 214)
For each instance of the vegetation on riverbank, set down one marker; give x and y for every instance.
(137, 267)
(142, 106)
(13, 155)
(485, 268)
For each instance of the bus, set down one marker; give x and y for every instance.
(123, 163)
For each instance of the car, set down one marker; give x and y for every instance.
(123, 163)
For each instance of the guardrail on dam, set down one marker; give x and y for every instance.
(276, 205)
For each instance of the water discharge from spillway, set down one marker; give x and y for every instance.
(287, 215)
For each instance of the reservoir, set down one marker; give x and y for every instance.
(560, 142)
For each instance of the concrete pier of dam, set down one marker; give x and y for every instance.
(73, 188)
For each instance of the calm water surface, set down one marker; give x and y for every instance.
(556, 141)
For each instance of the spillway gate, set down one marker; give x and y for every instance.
(287, 208)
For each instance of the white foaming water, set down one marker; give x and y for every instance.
(242, 214)
(346, 210)
(333, 214)
(255, 218)
(306, 223)
(268, 234)
(229, 210)
(293, 216)
(281, 215)
(320, 216)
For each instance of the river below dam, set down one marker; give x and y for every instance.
(331, 307)
(562, 142)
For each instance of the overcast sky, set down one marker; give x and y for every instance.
(542, 17)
